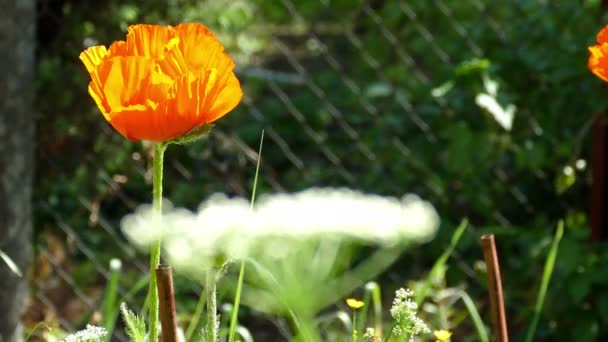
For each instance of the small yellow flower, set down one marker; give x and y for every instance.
(354, 303)
(442, 335)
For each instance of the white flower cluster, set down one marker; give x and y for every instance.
(90, 334)
(370, 335)
(230, 228)
(404, 311)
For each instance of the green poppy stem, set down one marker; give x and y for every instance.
(157, 203)
(212, 321)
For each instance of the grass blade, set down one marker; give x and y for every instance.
(196, 317)
(371, 295)
(239, 287)
(110, 309)
(544, 285)
(479, 326)
(423, 291)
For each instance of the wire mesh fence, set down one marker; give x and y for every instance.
(472, 104)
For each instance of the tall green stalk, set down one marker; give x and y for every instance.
(212, 321)
(157, 203)
(239, 287)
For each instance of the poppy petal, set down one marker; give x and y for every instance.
(194, 36)
(172, 63)
(226, 100)
(598, 60)
(123, 78)
(118, 48)
(148, 40)
(602, 36)
(99, 98)
(93, 56)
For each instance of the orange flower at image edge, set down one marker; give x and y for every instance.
(598, 58)
(163, 81)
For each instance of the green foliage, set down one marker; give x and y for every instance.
(377, 94)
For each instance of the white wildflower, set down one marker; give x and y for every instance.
(370, 335)
(404, 310)
(90, 334)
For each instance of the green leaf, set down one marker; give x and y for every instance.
(472, 65)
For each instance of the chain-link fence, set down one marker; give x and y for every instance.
(475, 105)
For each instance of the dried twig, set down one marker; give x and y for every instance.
(499, 318)
(166, 300)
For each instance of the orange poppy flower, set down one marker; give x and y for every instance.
(163, 81)
(598, 58)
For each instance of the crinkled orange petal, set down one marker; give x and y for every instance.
(183, 111)
(125, 80)
(190, 95)
(172, 62)
(224, 66)
(99, 98)
(200, 47)
(118, 48)
(152, 125)
(92, 57)
(602, 36)
(134, 92)
(598, 60)
(148, 40)
(134, 124)
(227, 99)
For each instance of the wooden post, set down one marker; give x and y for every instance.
(166, 301)
(597, 215)
(499, 318)
(598, 219)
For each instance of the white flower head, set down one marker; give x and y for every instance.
(227, 227)
(404, 310)
(90, 334)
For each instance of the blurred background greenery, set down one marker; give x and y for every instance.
(378, 95)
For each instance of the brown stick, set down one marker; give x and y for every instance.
(499, 318)
(166, 301)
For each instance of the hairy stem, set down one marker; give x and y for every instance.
(212, 321)
(157, 200)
